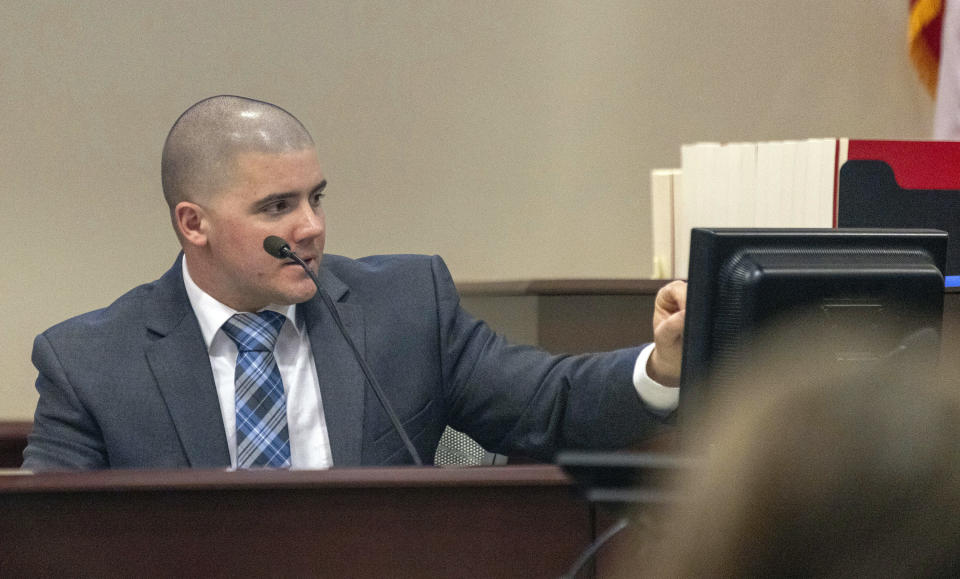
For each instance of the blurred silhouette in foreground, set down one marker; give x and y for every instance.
(851, 474)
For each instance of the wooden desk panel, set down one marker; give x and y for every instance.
(567, 316)
(521, 521)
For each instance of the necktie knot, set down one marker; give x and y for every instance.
(254, 332)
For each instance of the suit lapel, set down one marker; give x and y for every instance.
(181, 366)
(342, 386)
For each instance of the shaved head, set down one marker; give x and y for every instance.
(200, 151)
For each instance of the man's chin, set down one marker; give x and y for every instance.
(294, 286)
(299, 295)
(306, 293)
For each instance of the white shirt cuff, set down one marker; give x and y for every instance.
(658, 399)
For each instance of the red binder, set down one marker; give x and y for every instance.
(901, 184)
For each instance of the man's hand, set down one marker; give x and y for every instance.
(668, 315)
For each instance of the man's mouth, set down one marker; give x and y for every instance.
(310, 261)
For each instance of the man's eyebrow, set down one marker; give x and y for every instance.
(320, 187)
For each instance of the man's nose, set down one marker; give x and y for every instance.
(310, 223)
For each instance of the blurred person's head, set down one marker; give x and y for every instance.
(849, 475)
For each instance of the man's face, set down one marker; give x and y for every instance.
(270, 194)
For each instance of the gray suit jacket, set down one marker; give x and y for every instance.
(130, 385)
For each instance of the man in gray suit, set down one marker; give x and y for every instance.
(159, 378)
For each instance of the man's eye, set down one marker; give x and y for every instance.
(277, 207)
(316, 199)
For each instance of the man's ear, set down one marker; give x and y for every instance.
(191, 222)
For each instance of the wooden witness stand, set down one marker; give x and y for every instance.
(510, 521)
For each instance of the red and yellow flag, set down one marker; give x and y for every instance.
(926, 22)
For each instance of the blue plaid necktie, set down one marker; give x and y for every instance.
(262, 437)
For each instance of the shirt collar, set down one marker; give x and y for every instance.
(212, 314)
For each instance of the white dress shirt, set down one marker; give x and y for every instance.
(657, 398)
(309, 440)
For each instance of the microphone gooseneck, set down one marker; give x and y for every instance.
(280, 249)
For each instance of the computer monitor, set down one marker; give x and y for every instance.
(819, 298)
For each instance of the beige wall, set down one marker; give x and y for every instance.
(515, 138)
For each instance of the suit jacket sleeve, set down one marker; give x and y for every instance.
(64, 435)
(517, 399)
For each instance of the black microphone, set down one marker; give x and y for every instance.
(277, 247)
(280, 249)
